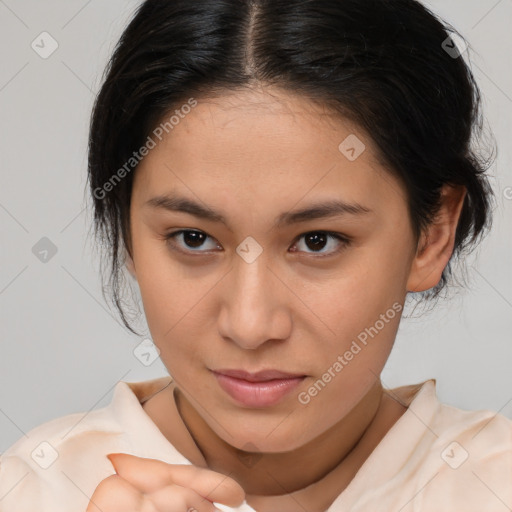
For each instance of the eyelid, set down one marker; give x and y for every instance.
(169, 238)
(343, 239)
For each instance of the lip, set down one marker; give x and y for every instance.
(260, 389)
(261, 376)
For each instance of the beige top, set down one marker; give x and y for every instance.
(435, 458)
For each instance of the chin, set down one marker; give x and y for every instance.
(260, 441)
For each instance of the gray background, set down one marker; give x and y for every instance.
(61, 349)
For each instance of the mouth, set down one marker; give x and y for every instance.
(257, 390)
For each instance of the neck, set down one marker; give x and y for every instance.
(255, 472)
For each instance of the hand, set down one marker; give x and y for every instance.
(150, 485)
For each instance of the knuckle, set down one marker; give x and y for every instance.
(111, 480)
(114, 494)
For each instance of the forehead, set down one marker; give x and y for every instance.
(264, 145)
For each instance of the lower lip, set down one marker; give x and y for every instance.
(257, 394)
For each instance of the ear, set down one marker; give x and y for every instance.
(437, 242)
(128, 261)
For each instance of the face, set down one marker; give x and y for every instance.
(254, 287)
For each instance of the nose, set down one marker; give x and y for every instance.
(255, 304)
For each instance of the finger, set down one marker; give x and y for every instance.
(174, 498)
(149, 475)
(115, 494)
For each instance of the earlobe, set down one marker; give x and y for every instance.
(437, 242)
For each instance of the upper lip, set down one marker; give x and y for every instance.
(261, 376)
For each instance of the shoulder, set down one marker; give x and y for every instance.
(440, 458)
(57, 464)
(481, 435)
(469, 461)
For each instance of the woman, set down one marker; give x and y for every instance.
(277, 177)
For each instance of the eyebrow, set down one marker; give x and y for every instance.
(324, 210)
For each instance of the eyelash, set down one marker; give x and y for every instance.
(344, 240)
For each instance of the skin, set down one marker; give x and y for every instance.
(252, 156)
(141, 484)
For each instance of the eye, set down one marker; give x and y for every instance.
(317, 240)
(193, 241)
(189, 240)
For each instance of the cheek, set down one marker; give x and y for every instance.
(361, 291)
(348, 364)
(167, 288)
(165, 298)
(176, 307)
(361, 307)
